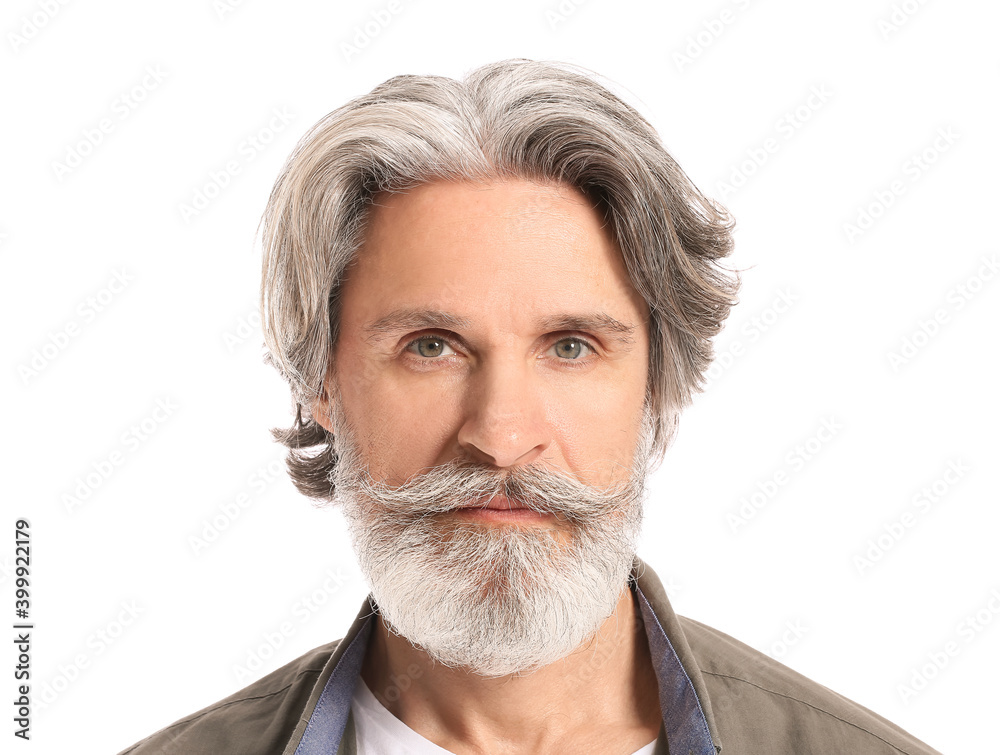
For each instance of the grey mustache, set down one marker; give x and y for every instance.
(457, 484)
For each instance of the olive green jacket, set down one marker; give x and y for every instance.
(737, 701)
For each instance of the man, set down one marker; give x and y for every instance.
(491, 299)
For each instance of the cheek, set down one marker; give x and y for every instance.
(401, 426)
(598, 430)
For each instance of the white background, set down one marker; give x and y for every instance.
(183, 332)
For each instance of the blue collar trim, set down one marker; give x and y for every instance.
(683, 718)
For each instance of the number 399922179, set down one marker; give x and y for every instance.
(22, 570)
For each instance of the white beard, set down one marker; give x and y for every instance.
(493, 599)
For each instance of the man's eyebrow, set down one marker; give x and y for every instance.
(401, 320)
(596, 322)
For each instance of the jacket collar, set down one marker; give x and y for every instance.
(687, 711)
(682, 687)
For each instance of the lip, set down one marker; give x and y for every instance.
(502, 503)
(502, 509)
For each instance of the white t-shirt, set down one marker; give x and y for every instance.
(381, 733)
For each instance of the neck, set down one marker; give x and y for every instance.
(604, 692)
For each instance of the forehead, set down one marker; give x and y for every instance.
(480, 248)
(461, 214)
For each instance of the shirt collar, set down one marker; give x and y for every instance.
(687, 716)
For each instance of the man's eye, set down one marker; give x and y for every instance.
(430, 347)
(571, 348)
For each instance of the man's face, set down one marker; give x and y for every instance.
(488, 410)
(494, 323)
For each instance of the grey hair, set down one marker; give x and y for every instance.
(518, 118)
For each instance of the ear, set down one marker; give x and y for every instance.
(321, 408)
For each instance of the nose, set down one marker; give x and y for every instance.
(505, 420)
